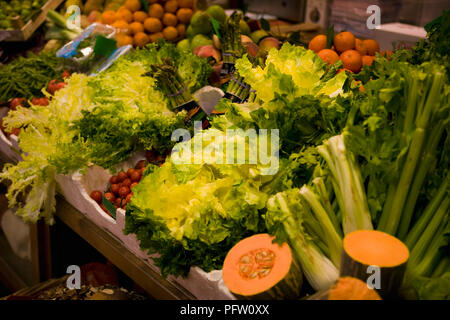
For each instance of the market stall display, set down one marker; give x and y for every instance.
(348, 167)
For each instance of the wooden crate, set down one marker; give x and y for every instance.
(30, 27)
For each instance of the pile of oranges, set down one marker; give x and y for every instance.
(353, 52)
(166, 19)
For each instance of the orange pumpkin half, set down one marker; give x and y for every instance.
(257, 268)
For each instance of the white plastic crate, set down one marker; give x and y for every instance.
(76, 190)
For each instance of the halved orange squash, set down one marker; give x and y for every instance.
(256, 268)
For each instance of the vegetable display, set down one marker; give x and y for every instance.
(318, 176)
(192, 213)
(98, 120)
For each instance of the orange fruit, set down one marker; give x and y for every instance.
(372, 46)
(125, 14)
(121, 8)
(123, 39)
(184, 15)
(171, 6)
(140, 16)
(141, 39)
(132, 5)
(136, 27)
(122, 27)
(344, 41)
(109, 17)
(152, 1)
(169, 19)
(155, 36)
(153, 25)
(170, 33)
(328, 55)
(351, 59)
(156, 11)
(360, 47)
(181, 28)
(318, 43)
(367, 60)
(186, 3)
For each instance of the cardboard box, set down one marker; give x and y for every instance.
(403, 35)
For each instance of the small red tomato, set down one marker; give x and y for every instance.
(51, 88)
(121, 176)
(140, 164)
(97, 196)
(110, 197)
(123, 191)
(126, 183)
(113, 180)
(136, 176)
(115, 188)
(129, 197)
(133, 185)
(59, 86)
(35, 100)
(15, 103)
(118, 202)
(142, 171)
(15, 131)
(130, 172)
(44, 101)
(65, 74)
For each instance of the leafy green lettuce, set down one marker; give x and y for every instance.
(192, 214)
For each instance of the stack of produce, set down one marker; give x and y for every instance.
(138, 25)
(201, 31)
(353, 52)
(98, 120)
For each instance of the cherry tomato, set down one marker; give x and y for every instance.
(16, 102)
(59, 86)
(136, 176)
(121, 176)
(133, 185)
(123, 191)
(97, 196)
(66, 74)
(126, 183)
(130, 172)
(118, 202)
(141, 164)
(113, 180)
(44, 101)
(110, 197)
(15, 131)
(128, 199)
(115, 188)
